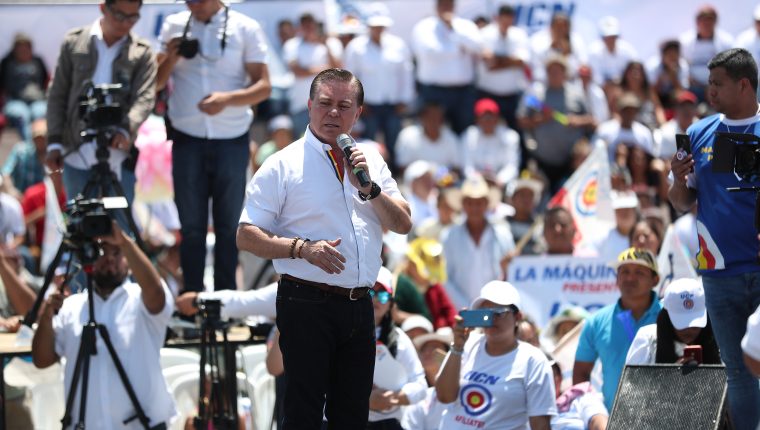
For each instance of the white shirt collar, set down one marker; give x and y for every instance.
(313, 141)
(96, 31)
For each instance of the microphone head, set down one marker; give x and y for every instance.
(344, 141)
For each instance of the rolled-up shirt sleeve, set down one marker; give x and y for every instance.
(263, 201)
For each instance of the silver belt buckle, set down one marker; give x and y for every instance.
(351, 294)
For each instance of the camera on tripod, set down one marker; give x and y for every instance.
(738, 153)
(89, 219)
(99, 106)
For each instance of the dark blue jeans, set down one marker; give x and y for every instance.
(383, 118)
(730, 301)
(458, 103)
(206, 169)
(328, 349)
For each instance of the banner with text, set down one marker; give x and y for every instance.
(549, 283)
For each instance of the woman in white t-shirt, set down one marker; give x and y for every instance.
(399, 377)
(492, 380)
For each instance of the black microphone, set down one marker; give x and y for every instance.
(345, 143)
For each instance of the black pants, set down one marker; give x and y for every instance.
(389, 424)
(328, 349)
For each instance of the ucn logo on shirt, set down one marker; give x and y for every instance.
(476, 399)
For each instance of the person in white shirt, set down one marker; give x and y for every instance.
(596, 99)
(399, 378)
(624, 129)
(749, 39)
(579, 407)
(683, 321)
(702, 44)
(618, 238)
(307, 210)
(210, 113)
(422, 194)
(446, 48)
(432, 348)
(383, 62)
(684, 116)
(136, 315)
(609, 56)
(751, 343)
(489, 147)
(668, 72)
(306, 55)
(557, 39)
(475, 249)
(502, 71)
(430, 140)
(490, 378)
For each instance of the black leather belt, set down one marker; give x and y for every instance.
(349, 293)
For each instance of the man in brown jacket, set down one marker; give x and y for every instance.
(104, 52)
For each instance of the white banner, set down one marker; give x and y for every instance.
(547, 283)
(644, 23)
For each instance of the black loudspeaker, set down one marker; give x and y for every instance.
(670, 396)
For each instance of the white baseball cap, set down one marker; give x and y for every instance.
(417, 321)
(685, 302)
(609, 26)
(379, 15)
(385, 278)
(624, 200)
(499, 292)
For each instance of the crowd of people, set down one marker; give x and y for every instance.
(463, 134)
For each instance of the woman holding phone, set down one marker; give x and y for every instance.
(683, 332)
(493, 379)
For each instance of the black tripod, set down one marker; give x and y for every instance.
(219, 405)
(98, 185)
(87, 349)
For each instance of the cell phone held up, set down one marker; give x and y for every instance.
(477, 317)
(692, 354)
(683, 146)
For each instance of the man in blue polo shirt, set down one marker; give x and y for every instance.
(608, 334)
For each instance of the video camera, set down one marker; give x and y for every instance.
(99, 106)
(88, 219)
(738, 153)
(211, 312)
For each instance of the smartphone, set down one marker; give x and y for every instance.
(477, 317)
(692, 354)
(683, 143)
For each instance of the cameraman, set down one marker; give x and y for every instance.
(136, 315)
(104, 52)
(728, 243)
(216, 58)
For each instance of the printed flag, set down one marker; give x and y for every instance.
(673, 262)
(54, 226)
(587, 195)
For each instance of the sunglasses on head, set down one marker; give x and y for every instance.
(123, 17)
(382, 296)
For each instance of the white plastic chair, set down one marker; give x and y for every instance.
(184, 390)
(46, 388)
(172, 373)
(252, 355)
(176, 356)
(262, 394)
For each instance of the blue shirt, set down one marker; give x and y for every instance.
(23, 166)
(728, 242)
(607, 335)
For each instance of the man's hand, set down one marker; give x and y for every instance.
(213, 103)
(358, 160)
(11, 324)
(51, 306)
(381, 399)
(54, 160)
(323, 254)
(185, 303)
(681, 167)
(120, 141)
(172, 50)
(116, 238)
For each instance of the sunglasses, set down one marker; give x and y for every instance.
(123, 17)
(382, 296)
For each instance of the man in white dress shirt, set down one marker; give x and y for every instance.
(446, 47)
(501, 73)
(609, 56)
(136, 315)
(210, 115)
(307, 210)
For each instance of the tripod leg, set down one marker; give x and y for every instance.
(231, 377)
(31, 316)
(81, 357)
(128, 213)
(140, 413)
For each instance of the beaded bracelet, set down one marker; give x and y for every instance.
(293, 247)
(298, 254)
